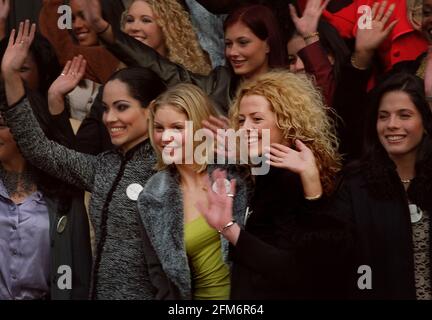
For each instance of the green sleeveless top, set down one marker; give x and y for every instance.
(210, 275)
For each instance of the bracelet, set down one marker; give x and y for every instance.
(229, 224)
(104, 30)
(312, 35)
(354, 64)
(318, 196)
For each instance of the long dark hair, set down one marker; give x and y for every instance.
(332, 43)
(380, 170)
(143, 84)
(262, 22)
(45, 58)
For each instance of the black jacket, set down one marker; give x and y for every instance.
(290, 249)
(220, 85)
(383, 236)
(70, 246)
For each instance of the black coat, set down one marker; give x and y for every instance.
(383, 237)
(70, 246)
(290, 249)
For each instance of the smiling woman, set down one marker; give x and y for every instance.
(151, 22)
(386, 195)
(252, 53)
(110, 176)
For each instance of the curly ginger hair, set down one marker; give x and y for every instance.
(301, 114)
(180, 37)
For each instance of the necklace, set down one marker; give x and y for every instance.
(406, 181)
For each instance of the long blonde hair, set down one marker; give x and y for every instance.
(180, 37)
(189, 100)
(300, 113)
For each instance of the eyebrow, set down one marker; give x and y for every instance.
(120, 101)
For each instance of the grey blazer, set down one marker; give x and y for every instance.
(160, 207)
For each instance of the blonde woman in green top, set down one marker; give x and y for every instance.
(186, 257)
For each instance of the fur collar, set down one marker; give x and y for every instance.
(160, 207)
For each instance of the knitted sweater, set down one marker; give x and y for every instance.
(119, 268)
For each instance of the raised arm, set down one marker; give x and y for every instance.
(4, 14)
(313, 55)
(65, 164)
(68, 80)
(101, 64)
(134, 53)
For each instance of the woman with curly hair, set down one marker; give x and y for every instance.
(283, 235)
(151, 22)
(253, 45)
(387, 194)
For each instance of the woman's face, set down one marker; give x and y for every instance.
(8, 147)
(29, 72)
(255, 112)
(83, 33)
(399, 125)
(124, 117)
(294, 45)
(170, 133)
(140, 23)
(427, 20)
(247, 53)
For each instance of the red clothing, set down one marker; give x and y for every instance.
(101, 64)
(317, 64)
(404, 43)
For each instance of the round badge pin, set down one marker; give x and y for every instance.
(133, 191)
(61, 224)
(415, 212)
(227, 184)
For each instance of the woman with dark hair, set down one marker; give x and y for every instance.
(315, 47)
(252, 48)
(386, 194)
(114, 178)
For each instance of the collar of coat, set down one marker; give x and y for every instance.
(160, 206)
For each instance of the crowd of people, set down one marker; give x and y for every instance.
(340, 114)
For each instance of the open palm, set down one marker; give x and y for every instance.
(298, 161)
(369, 39)
(72, 74)
(18, 48)
(308, 23)
(218, 210)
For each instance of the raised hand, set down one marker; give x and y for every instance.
(308, 23)
(301, 161)
(216, 123)
(4, 9)
(93, 14)
(370, 39)
(217, 210)
(298, 161)
(18, 48)
(71, 75)
(218, 127)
